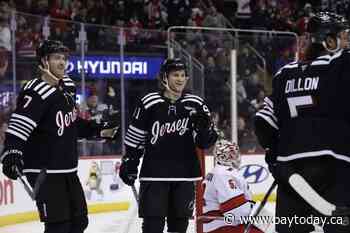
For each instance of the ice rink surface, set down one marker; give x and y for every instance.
(113, 222)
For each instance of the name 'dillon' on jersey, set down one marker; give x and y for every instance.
(302, 84)
(159, 130)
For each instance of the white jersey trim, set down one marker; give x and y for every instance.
(313, 154)
(169, 179)
(148, 95)
(51, 171)
(268, 120)
(192, 100)
(10, 131)
(153, 103)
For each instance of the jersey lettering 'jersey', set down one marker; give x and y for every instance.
(43, 126)
(164, 130)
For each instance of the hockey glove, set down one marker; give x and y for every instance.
(12, 162)
(200, 121)
(128, 169)
(273, 165)
(205, 139)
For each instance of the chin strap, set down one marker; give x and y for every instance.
(46, 70)
(165, 83)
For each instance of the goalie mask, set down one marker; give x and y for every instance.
(227, 154)
(326, 24)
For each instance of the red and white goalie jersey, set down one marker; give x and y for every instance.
(225, 192)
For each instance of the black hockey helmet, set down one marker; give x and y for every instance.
(172, 64)
(324, 24)
(48, 47)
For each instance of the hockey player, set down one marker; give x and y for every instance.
(42, 134)
(305, 126)
(226, 192)
(166, 127)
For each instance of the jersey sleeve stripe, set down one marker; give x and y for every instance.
(153, 103)
(42, 90)
(194, 96)
(25, 119)
(21, 122)
(191, 100)
(69, 84)
(151, 98)
(134, 134)
(134, 145)
(232, 203)
(268, 108)
(20, 126)
(139, 131)
(268, 102)
(133, 140)
(268, 120)
(40, 85)
(20, 131)
(148, 95)
(48, 93)
(266, 112)
(10, 131)
(29, 84)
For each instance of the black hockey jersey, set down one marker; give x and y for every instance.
(164, 130)
(44, 127)
(308, 108)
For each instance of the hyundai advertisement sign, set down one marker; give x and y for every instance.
(135, 67)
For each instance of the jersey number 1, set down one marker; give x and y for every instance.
(300, 101)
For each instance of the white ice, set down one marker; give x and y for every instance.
(113, 222)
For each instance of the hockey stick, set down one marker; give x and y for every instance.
(26, 186)
(136, 195)
(302, 187)
(32, 192)
(261, 206)
(133, 211)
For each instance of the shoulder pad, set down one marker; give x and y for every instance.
(192, 98)
(42, 88)
(151, 99)
(290, 65)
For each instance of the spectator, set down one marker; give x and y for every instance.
(5, 45)
(93, 111)
(258, 102)
(214, 19)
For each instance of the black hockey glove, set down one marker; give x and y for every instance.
(109, 130)
(128, 169)
(12, 160)
(201, 121)
(205, 139)
(271, 160)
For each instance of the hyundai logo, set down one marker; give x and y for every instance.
(254, 173)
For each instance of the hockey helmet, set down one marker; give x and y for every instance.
(48, 47)
(324, 24)
(227, 153)
(171, 64)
